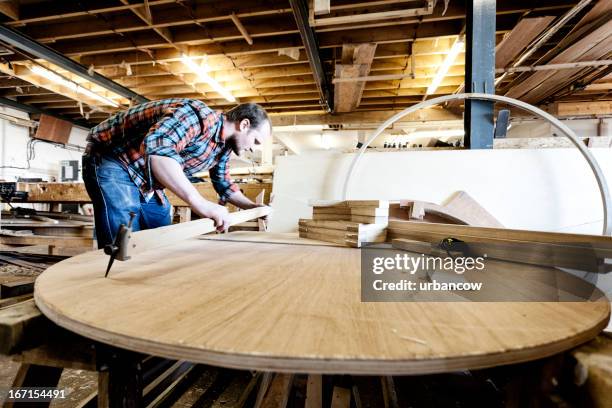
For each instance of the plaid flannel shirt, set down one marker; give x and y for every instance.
(184, 129)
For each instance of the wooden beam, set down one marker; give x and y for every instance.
(581, 108)
(356, 62)
(241, 28)
(10, 8)
(376, 117)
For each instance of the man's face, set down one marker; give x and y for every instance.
(246, 136)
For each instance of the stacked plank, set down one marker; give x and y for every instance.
(350, 223)
(357, 211)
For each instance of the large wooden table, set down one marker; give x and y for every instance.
(289, 306)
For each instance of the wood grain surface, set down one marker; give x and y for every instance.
(295, 308)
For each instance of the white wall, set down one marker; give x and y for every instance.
(540, 189)
(13, 145)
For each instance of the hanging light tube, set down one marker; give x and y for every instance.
(204, 76)
(73, 86)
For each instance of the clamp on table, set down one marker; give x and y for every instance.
(119, 248)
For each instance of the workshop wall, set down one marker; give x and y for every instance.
(540, 189)
(47, 157)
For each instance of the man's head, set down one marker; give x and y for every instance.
(249, 126)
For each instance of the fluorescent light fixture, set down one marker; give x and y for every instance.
(299, 128)
(450, 59)
(73, 86)
(203, 75)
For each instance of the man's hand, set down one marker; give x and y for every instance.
(219, 215)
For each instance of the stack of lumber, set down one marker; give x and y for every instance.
(357, 211)
(345, 233)
(350, 223)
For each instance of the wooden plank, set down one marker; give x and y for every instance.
(324, 237)
(341, 398)
(16, 288)
(10, 8)
(470, 211)
(331, 217)
(324, 231)
(523, 34)
(184, 214)
(269, 315)
(593, 371)
(147, 240)
(76, 193)
(389, 392)
(582, 108)
(502, 233)
(369, 220)
(556, 81)
(277, 395)
(17, 323)
(356, 63)
(338, 225)
(582, 258)
(332, 210)
(290, 238)
(314, 391)
(58, 241)
(573, 53)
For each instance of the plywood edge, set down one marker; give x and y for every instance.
(324, 365)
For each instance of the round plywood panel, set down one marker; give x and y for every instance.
(295, 308)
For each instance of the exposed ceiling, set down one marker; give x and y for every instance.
(254, 50)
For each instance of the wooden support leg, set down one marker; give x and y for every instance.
(389, 393)
(184, 214)
(31, 375)
(314, 392)
(120, 382)
(277, 394)
(341, 398)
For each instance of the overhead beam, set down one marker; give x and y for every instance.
(374, 118)
(24, 43)
(300, 13)
(581, 108)
(356, 62)
(241, 28)
(10, 8)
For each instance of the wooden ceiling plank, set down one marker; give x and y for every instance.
(526, 31)
(10, 8)
(241, 28)
(573, 53)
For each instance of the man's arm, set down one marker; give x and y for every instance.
(169, 173)
(240, 200)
